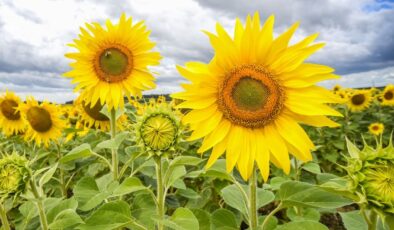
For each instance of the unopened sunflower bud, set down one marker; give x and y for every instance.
(14, 174)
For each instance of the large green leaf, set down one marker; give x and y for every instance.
(182, 219)
(113, 143)
(110, 216)
(353, 220)
(224, 219)
(302, 225)
(129, 185)
(81, 151)
(295, 193)
(71, 204)
(64, 219)
(47, 176)
(88, 194)
(203, 217)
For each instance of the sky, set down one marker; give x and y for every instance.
(359, 37)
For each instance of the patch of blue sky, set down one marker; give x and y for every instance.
(379, 5)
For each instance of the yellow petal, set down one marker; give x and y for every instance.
(205, 127)
(277, 148)
(216, 136)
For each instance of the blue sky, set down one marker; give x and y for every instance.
(359, 36)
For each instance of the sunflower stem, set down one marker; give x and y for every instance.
(40, 205)
(160, 193)
(253, 201)
(3, 216)
(115, 161)
(373, 219)
(63, 186)
(271, 214)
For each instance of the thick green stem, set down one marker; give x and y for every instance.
(63, 186)
(40, 205)
(267, 218)
(4, 219)
(373, 219)
(160, 193)
(253, 201)
(115, 161)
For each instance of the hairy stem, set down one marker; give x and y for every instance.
(3, 216)
(115, 161)
(40, 205)
(160, 193)
(253, 201)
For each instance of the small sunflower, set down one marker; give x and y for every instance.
(11, 121)
(44, 122)
(249, 99)
(376, 128)
(113, 62)
(336, 88)
(359, 100)
(158, 130)
(91, 117)
(388, 95)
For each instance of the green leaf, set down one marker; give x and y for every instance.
(65, 219)
(302, 225)
(264, 197)
(186, 160)
(63, 205)
(353, 220)
(182, 219)
(272, 223)
(144, 209)
(174, 174)
(111, 215)
(295, 193)
(304, 214)
(203, 217)
(352, 149)
(129, 185)
(224, 219)
(47, 176)
(88, 194)
(113, 143)
(188, 193)
(312, 167)
(276, 182)
(81, 151)
(218, 170)
(233, 197)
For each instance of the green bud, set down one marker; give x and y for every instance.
(14, 174)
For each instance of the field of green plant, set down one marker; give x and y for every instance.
(252, 142)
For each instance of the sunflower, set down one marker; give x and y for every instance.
(249, 99)
(11, 121)
(113, 62)
(359, 99)
(91, 117)
(388, 95)
(376, 128)
(44, 121)
(336, 88)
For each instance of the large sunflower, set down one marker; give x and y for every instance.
(388, 95)
(249, 99)
(113, 62)
(44, 121)
(359, 99)
(11, 121)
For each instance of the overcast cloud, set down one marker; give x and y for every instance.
(359, 36)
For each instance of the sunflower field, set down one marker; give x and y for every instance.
(252, 141)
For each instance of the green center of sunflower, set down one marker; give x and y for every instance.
(358, 99)
(10, 178)
(113, 61)
(158, 132)
(389, 95)
(379, 182)
(95, 112)
(39, 119)
(9, 111)
(250, 94)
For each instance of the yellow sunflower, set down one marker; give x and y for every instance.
(11, 121)
(249, 99)
(388, 95)
(376, 128)
(45, 124)
(93, 118)
(113, 62)
(359, 100)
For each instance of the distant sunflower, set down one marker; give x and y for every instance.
(376, 128)
(113, 62)
(91, 117)
(44, 121)
(336, 88)
(249, 99)
(11, 121)
(359, 100)
(388, 95)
